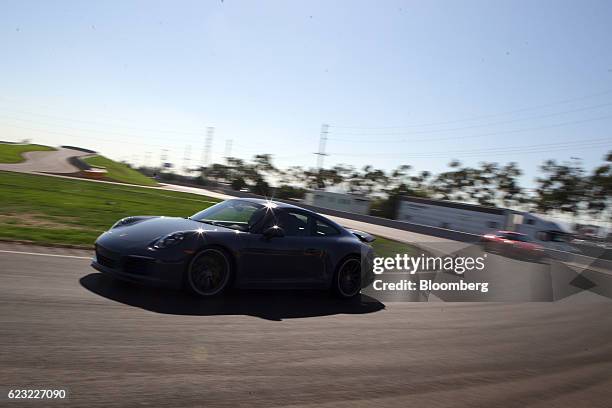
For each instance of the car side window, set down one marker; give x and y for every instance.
(294, 224)
(323, 229)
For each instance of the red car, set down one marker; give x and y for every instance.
(513, 244)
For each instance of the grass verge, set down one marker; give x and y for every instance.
(49, 210)
(63, 211)
(119, 171)
(388, 248)
(12, 153)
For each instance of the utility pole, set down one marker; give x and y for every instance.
(206, 153)
(228, 149)
(322, 141)
(163, 158)
(187, 159)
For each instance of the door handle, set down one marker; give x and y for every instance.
(312, 251)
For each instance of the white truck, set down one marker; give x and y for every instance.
(480, 220)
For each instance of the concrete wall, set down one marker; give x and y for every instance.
(336, 201)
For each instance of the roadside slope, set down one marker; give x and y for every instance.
(13, 152)
(50, 161)
(119, 172)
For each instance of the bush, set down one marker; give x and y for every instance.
(286, 192)
(238, 184)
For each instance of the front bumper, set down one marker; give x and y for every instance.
(139, 269)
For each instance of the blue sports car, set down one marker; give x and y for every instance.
(244, 243)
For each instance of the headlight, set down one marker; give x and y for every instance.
(169, 240)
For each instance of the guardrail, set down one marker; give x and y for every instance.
(78, 163)
(81, 149)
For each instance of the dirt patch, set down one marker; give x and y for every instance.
(35, 220)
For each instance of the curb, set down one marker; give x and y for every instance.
(45, 244)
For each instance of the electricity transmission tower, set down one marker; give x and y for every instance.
(206, 153)
(322, 141)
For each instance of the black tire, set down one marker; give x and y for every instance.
(347, 279)
(209, 273)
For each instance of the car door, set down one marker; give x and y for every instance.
(319, 249)
(288, 260)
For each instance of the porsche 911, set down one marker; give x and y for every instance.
(238, 243)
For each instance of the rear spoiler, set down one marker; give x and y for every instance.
(363, 236)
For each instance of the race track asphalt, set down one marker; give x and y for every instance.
(63, 325)
(53, 161)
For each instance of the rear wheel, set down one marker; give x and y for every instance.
(347, 281)
(209, 273)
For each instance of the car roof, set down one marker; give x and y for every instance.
(264, 201)
(283, 205)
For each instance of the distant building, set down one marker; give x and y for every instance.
(589, 232)
(479, 220)
(474, 219)
(338, 201)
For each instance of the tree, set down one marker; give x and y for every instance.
(564, 187)
(600, 188)
(457, 184)
(488, 184)
(238, 183)
(287, 192)
(510, 193)
(368, 182)
(420, 183)
(397, 184)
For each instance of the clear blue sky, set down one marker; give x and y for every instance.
(418, 82)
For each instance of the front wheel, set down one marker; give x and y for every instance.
(347, 280)
(209, 273)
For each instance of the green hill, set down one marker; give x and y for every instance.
(12, 153)
(119, 171)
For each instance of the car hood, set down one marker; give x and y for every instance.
(150, 229)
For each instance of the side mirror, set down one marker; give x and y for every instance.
(363, 236)
(274, 232)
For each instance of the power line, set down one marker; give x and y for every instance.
(106, 124)
(88, 130)
(122, 141)
(165, 147)
(503, 122)
(561, 102)
(529, 129)
(544, 147)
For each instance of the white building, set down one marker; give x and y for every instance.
(479, 220)
(338, 201)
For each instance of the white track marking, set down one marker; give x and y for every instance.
(39, 254)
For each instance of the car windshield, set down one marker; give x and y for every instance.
(236, 214)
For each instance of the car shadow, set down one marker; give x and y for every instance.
(266, 304)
